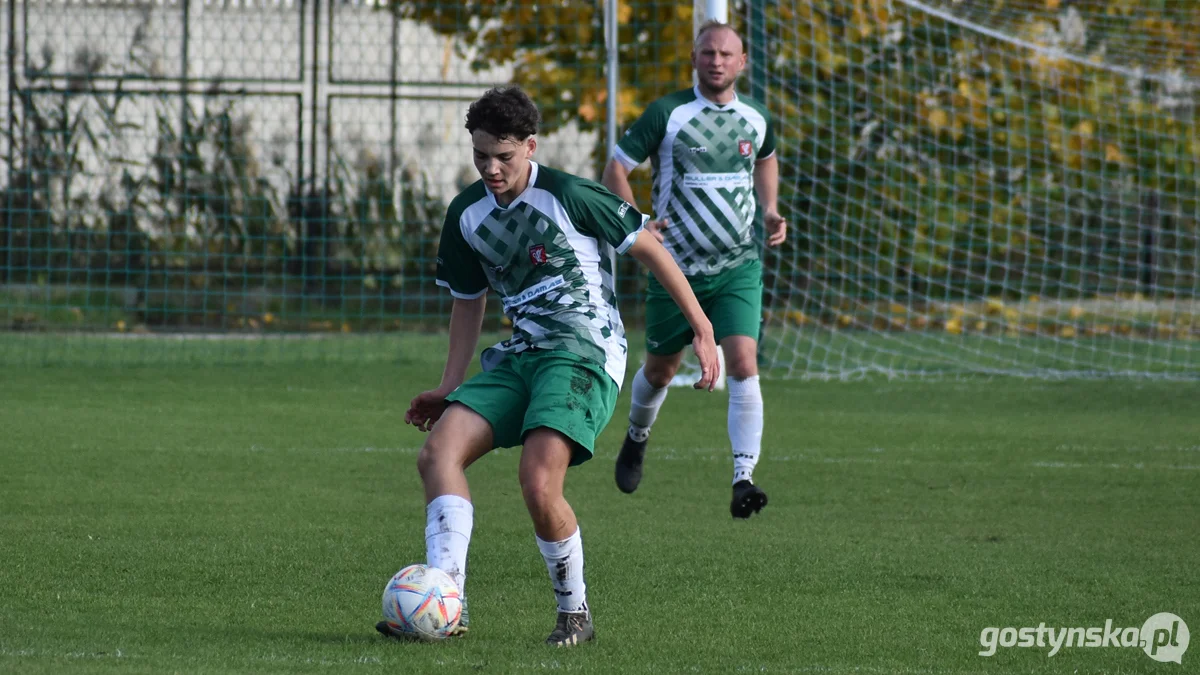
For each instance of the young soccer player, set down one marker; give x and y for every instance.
(712, 152)
(545, 241)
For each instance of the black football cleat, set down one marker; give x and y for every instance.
(572, 628)
(748, 499)
(629, 464)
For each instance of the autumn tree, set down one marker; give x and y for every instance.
(919, 155)
(558, 53)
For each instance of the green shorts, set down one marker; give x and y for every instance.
(732, 300)
(542, 388)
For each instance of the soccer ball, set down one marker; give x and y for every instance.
(422, 601)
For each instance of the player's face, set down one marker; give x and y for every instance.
(718, 59)
(503, 163)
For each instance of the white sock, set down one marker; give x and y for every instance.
(745, 425)
(448, 522)
(646, 402)
(564, 561)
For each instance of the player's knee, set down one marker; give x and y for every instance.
(659, 375)
(425, 462)
(430, 460)
(539, 491)
(742, 370)
(741, 358)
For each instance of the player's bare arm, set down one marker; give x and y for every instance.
(766, 187)
(650, 252)
(616, 179)
(466, 323)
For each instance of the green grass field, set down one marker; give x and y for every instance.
(190, 517)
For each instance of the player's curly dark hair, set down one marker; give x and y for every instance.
(504, 112)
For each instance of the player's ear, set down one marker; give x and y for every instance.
(531, 144)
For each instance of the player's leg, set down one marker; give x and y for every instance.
(667, 334)
(648, 392)
(485, 412)
(459, 438)
(745, 423)
(571, 402)
(544, 462)
(736, 313)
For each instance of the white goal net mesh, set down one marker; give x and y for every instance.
(1006, 187)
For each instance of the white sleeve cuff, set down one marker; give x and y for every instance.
(763, 159)
(623, 157)
(628, 242)
(460, 296)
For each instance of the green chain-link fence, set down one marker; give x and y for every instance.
(277, 169)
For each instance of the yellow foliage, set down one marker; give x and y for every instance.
(1112, 153)
(587, 111)
(868, 20)
(625, 11)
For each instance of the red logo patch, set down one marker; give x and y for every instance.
(537, 254)
(745, 147)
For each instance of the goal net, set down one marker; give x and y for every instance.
(1005, 187)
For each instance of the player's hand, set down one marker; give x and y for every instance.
(710, 365)
(776, 228)
(426, 409)
(655, 228)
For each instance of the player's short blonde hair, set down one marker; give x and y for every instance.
(713, 24)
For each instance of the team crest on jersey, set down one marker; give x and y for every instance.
(537, 254)
(744, 147)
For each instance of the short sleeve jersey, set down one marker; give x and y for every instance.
(551, 256)
(702, 157)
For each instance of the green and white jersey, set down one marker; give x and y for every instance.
(702, 156)
(550, 255)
